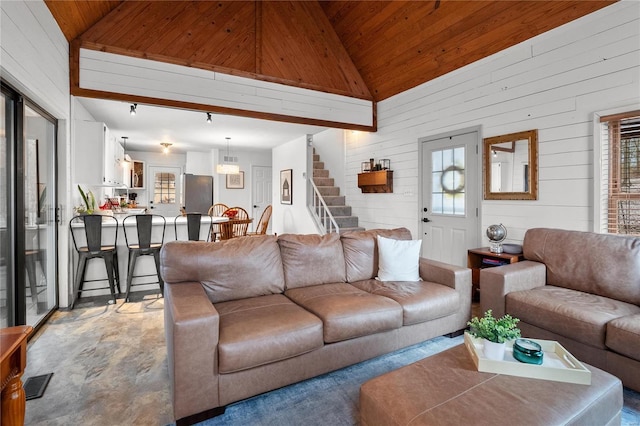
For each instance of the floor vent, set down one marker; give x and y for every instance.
(34, 386)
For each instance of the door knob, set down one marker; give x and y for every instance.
(426, 219)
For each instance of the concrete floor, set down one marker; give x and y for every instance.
(109, 364)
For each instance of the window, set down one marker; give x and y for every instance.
(165, 188)
(620, 155)
(448, 169)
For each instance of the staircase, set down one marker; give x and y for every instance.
(331, 194)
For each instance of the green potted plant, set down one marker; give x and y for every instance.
(89, 202)
(494, 332)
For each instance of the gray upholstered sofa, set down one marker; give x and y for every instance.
(248, 315)
(579, 288)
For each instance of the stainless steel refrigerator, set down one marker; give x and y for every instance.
(197, 193)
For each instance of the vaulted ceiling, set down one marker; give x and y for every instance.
(364, 49)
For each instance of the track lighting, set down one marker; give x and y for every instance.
(209, 117)
(133, 108)
(166, 146)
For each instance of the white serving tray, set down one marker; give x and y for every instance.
(558, 364)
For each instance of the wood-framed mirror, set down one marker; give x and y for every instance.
(510, 166)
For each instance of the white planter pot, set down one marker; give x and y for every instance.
(494, 350)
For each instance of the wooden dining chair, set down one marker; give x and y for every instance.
(263, 223)
(216, 210)
(239, 222)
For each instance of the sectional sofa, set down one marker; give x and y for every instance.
(579, 288)
(248, 315)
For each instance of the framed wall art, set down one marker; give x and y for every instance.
(286, 186)
(235, 181)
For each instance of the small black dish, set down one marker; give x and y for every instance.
(527, 351)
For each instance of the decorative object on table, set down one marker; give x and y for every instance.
(286, 186)
(528, 351)
(230, 213)
(385, 164)
(365, 167)
(512, 248)
(89, 201)
(497, 234)
(235, 181)
(495, 332)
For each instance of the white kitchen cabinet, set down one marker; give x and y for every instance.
(98, 157)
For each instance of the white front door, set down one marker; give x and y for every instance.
(261, 187)
(450, 197)
(165, 188)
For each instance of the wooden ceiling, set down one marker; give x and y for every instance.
(364, 49)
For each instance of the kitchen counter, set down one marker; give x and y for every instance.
(145, 264)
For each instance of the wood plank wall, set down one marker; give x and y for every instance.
(35, 60)
(553, 83)
(167, 83)
(35, 55)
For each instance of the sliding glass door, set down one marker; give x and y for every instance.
(7, 307)
(28, 276)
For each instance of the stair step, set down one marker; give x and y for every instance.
(316, 157)
(334, 200)
(329, 190)
(340, 210)
(318, 164)
(346, 221)
(320, 173)
(323, 181)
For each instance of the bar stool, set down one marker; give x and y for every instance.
(194, 221)
(95, 247)
(144, 245)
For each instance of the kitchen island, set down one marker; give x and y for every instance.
(145, 266)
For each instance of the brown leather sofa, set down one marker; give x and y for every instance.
(248, 315)
(579, 288)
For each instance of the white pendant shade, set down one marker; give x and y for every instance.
(227, 169)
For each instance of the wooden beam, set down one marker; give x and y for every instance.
(97, 94)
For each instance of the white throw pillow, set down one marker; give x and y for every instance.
(398, 260)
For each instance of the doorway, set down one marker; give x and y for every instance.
(165, 190)
(28, 213)
(261, 192)
(450, 196)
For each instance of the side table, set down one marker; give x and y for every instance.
(13, 360)
(482, 257)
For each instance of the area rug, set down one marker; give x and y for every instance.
(332, 399)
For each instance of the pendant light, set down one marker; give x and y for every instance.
(127, 157)
(226, 167)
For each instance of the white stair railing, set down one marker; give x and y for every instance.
(320, 212)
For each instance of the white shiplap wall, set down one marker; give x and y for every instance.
(292, 218)
(554, 83)
(143, 77)
(34, 59)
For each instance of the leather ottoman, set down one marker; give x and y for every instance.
(447, 389)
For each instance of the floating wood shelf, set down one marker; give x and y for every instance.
(380, 181)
